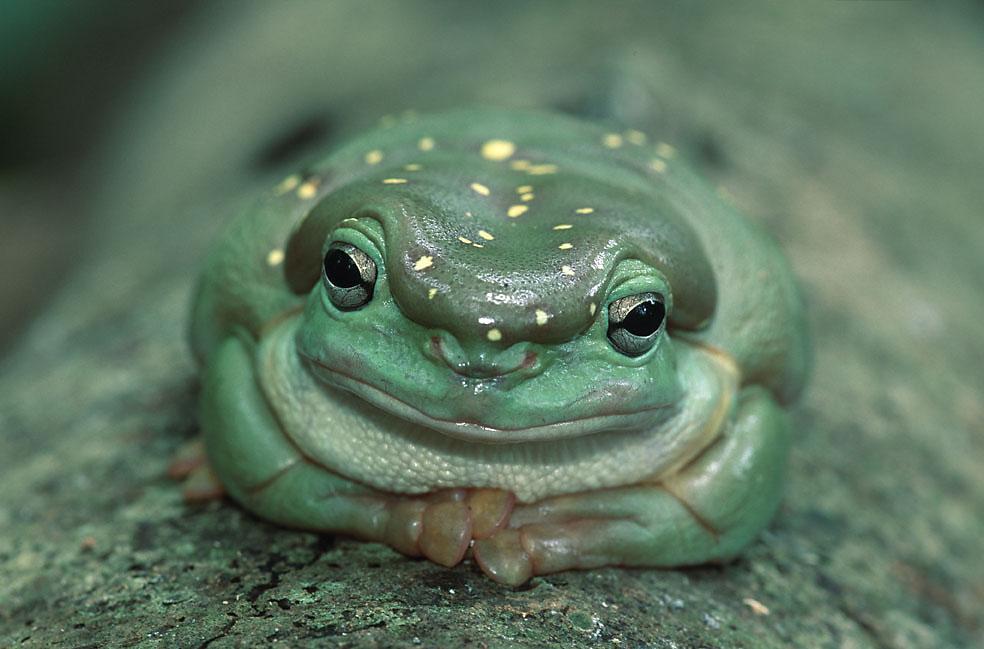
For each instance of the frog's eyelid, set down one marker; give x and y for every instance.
(369, 227)
(643, 280)
(305, 247)
(362, 234)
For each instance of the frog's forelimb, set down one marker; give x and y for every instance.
(265, 471)
(708, 511)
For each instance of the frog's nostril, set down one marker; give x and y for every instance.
(529, 360)
(445, 349)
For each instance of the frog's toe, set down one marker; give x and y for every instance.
(438, 528)
(201, 485)
(186, 459)
(446, 531)
(503, 558)
(546, 548)
(189, 464)
(454, 518)
(403, 525)
(490, 511)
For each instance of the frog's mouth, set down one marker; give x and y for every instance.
(476, 430)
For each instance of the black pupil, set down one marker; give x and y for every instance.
(341, 270)
(644, 319)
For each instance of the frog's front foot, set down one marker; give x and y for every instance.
(190, 466)
(707, 511)
(442, 526)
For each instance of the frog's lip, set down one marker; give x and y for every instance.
(474, 431)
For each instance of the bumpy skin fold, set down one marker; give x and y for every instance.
(476, 401)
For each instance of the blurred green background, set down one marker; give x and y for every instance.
(62, 65)
(901, 79)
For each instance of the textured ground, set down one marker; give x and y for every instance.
(852, 131)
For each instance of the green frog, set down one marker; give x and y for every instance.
(515, 336)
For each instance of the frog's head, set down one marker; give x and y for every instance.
(493, 305)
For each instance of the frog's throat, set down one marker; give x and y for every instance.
(364, 443)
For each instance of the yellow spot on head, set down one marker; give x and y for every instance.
(498, 150)
(485, 235)
(524, 189)
(542, 170)
(494, 335)
(520, 165)
(479, 188)
(527, 197)
(612, 140)
(307, 189)
(635, 137)
(464, 240)
(665, 150)
(394, 181)
(517, 210)
(584, 210)
(592, 308)
(275, 257)
(566, 246)
(425, 143)
(374, 157)
(426, 261)
(542, 317)
(563, 226)
(431, 292)
(657, 165)
(567, 270)
(288, 184)
(468, 214)
(413, 166)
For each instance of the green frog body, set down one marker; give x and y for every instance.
(514, 334)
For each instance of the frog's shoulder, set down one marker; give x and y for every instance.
(242, 285)
(760, 318)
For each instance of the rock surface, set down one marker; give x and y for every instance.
(851, 131)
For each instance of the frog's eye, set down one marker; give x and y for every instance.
(634, 322)
(349, 275)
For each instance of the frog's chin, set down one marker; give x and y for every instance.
(477, 431)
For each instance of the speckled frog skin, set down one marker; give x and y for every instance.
(513, 334)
